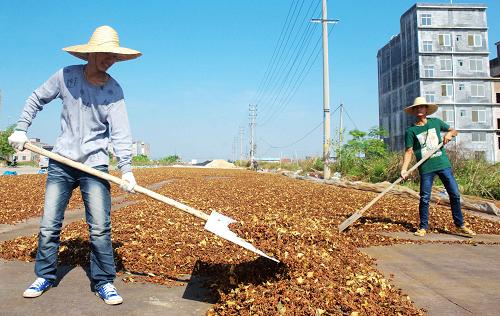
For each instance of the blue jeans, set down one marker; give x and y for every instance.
(61, 181)
(426, 181)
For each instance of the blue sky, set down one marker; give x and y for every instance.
(203, 63)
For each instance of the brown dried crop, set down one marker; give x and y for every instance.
(322, 271)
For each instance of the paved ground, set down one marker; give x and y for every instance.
(20, 170)
(72, 296)
(445, 279)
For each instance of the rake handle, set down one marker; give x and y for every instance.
(116, 180)
(348, 222)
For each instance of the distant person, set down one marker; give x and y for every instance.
(421, 138)
(93, 114)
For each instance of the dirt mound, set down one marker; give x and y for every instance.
(218, 163)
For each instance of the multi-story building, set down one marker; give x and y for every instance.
(29, 156)
(495, 72)
(441, 53)
(140, 148)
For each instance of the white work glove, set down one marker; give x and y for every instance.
(18, 139)
(130, 184)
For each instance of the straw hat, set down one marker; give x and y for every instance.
(104, 40)
(431, 108)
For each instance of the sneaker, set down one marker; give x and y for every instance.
(420, 232)
(37, 288)
(109, 294)
(465, 231)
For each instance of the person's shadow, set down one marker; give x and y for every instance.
(76, 252)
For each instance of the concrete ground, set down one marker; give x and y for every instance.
(73, 295)
(445, 279)
(20, 170)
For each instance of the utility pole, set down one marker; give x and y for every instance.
(241, 143)
(326, 92)
(253, 122)
(341, 132)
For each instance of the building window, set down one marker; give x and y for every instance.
(475, 40)
(476, 64)
(445, 63)
(478, 115)
(477, 90)
(23, 158)
(444, 39)
(426, 19)
(427, 46)
(463, 113)
(461, 86)
(429, 97)
(446, 89)
(448, 116)
(459, 38)
(460, 62)
(428, 71)
(478, 137)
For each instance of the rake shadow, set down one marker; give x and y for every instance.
(208, 280)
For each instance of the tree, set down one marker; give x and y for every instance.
(140, 159)
(170, 159)
(6, 150)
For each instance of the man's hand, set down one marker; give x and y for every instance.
(404, 174)
(130, 182)
(18, 139)
(447, 138)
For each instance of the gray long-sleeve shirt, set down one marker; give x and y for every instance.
(91, 117)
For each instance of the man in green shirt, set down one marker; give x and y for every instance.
(423, 137)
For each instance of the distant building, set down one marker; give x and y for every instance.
(495, 72)
(495, 64)
(29, 156)
(442, 54)
(140, 148)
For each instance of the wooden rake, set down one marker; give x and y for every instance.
(215, 222)
(356, 215)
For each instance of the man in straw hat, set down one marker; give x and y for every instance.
(93, 115)
(421, 138)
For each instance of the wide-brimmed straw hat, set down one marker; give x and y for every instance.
(103, 40)
(431, 108)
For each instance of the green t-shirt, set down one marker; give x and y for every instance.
(426, 138)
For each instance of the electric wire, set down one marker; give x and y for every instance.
(288, 32)
(301, 138)
(297, 46)
(277, 48)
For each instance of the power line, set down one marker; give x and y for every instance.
(301, 138)
(296, 48)
(288, 31)
(277, 47)
(289, 72)
(298, 81)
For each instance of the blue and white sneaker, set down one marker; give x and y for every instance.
(38, 287)
(109, 294)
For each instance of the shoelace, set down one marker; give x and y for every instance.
(38, 283)
(109, 290)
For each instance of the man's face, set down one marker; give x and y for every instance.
(421, 110)
(103, 61)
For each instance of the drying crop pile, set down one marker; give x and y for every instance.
(322, 272)
(22, 196)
